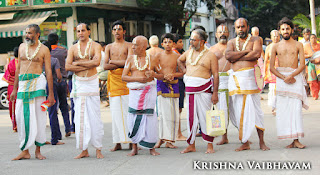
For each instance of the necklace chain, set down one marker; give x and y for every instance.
(198, 57)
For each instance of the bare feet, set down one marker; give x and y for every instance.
(181, 138)
(154, 152)
(198, 135)
(210, 148)
(170, 145)
(296, 144)
(160, 142)
(23, 155)
(245, 146)
(190, 148)
(39, 155)
(83, 154)
(224, 140)
(274, 112)
(68, 134)
(134, 150)
(117, 147)
(264, 147)
(99, 154)
(47, 142)
(60, 143)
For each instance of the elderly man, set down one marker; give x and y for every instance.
(291, 94)
(31, 120)
(306, 36)
(139, 73)
(243, 52)
(83, 58)
(219, 49)
(116, 56)
(271, 78)
(201, 65)
(154, 45)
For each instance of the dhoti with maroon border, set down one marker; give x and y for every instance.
(198, 95)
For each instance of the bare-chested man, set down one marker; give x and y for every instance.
(201, 65)
(255, 32)
(116, 56)
(222, 36)
(291, 94)
(168, 93)
(271, 78)
(83, 58)
(142, 119)
(243, 52)
(31, 120)
(154, 45)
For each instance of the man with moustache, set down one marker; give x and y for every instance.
(31, 86)
(200, 65)
(269, 77)
(83, 59)
(218, 49)
(139, 73)
(291, 94)
(243, 53)
(306, 36)
(116, 56)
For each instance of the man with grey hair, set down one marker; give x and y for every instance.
(154, 45)
(139, 73)
(30, 83)
(199, 65)
(306, 36)
(271, 78)
(219, 49)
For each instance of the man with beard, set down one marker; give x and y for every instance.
(243, 52)
(271, 78)
(306, 36)
(291, 94)
(139, 73)
(116, 56)
(222, 35)
(31, 120)
(200, 65)
(83, 59)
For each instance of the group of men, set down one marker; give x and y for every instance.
(139, 80)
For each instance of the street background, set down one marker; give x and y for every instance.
(60, 157)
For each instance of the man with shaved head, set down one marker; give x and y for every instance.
(139, 73)
(200, 65)
(219, 49)
(269, 77)
(243, 53)
(255, 32)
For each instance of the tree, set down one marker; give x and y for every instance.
(177, 13)
(304, 22)
(266, 14)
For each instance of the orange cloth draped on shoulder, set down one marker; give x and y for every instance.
(115, 85)
(270, 77)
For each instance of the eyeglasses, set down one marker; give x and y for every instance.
(193, 40)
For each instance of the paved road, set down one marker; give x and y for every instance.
(60, 158)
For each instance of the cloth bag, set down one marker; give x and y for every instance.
(215, 120)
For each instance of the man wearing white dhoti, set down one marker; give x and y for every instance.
(83, 58)
(201, 91)
(291, 94)
(116, 56)
(31, 121)
(225, 99)
(139, 73)
(242, 85)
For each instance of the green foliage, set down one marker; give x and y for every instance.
(266, 14)
(302, 21)
(178, 12)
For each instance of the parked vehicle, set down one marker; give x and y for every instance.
(4, 103)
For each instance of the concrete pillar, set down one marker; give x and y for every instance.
(101, 30)
(71, 24)
(94, 31)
